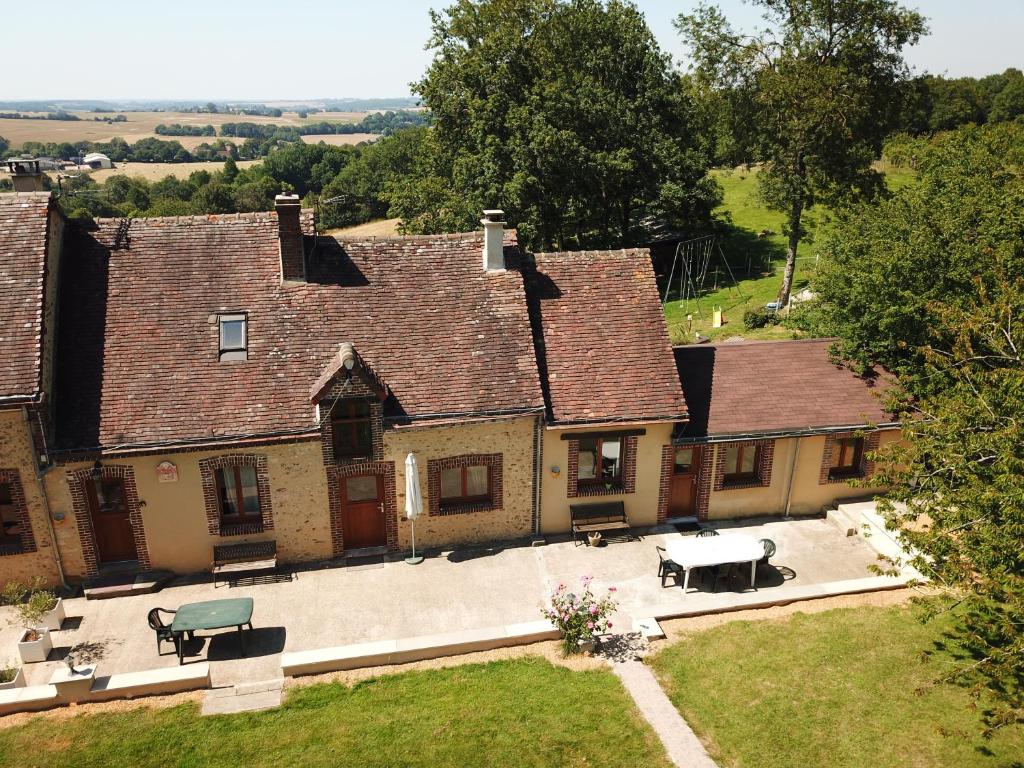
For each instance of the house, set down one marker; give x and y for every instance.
(31, 238)
(179, 383)
(775, 427)
(97, 161)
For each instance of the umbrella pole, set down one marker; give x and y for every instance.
(414, 560)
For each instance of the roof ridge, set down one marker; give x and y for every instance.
(755, 342)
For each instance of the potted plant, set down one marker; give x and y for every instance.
(11, 678)
(580, 617)
(31, 606)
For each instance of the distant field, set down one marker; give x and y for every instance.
(339, 139)
(141, 125)
(379, 228)
(157, 171)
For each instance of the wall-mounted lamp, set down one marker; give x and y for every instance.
(556, 470)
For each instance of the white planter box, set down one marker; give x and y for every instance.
(55, 617)
(35, 650)
(17, 682)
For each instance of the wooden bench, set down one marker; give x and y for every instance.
(600, 516)
(243, 558)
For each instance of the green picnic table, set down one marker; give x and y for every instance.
(211, 614)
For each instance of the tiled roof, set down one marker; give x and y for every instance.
(602, 338)
(774, 386)
(23, 235)
(139, 337)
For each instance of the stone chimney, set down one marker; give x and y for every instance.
(289, 232)
(25, 174)
(494, 236)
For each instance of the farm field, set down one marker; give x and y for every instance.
(157, 171)
(846, 688)
(339, 139)
(141, 125)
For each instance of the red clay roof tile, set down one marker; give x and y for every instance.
(24, 219)
(139, 338)
(775, 386)
(602, 338)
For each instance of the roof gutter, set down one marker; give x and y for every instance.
(613, 424)
(803, 432)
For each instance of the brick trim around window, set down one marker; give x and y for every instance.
(764, 465)
(867, 466)
(334, 475)
(26, 540)
(80, 503)
(354, 388)
(628, 484)
(704, 474)
(207, 471)
(493, 462)
(668, 453)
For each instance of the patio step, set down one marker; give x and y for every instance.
(383, 652)
(107, 586)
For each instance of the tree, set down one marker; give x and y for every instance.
(813, 95)
(1008, 104)
(887, 267)
(931, 283)
(564, 113)
(961, 469)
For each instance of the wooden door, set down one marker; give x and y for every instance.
(363, 521)
(111, 522)
(683, 493)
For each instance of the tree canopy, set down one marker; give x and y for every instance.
(812, 95)
(564, 113)
(931, 283)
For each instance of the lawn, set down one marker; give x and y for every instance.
(757, 262)
(831, 689)
(521, 713)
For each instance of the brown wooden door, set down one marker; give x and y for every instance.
(111, 523)
(363, 523)
(685, 468)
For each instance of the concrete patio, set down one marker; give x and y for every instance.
(334, 605)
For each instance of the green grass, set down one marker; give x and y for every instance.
(766, 256)
(519, 713)
(832, 689)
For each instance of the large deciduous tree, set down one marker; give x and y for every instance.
(566, 114)
(931, 283)
(812, 94)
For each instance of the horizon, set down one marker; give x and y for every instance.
(965, 41)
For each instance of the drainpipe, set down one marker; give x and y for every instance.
(792, 473)
(538, 470)
(42, 496)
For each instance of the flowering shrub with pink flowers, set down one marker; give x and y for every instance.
(579, 615)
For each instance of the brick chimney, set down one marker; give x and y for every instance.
(494, 236)
(25, 174)
(293, 257)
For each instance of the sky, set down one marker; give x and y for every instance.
(286, 50)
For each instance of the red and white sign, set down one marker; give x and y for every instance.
(166, 472)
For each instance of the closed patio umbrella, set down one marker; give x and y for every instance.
(413, 502)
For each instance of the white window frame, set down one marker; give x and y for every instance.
(233, 353)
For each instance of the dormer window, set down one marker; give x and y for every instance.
(234, 337)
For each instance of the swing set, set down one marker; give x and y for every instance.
(693, 261)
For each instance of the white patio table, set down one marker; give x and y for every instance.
(696, 552)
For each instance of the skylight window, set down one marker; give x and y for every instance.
(233, 337)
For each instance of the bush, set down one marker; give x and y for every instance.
(759, 318)
(580, 617)
(30, 602)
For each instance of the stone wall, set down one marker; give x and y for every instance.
(17, 461)
(512, 438)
